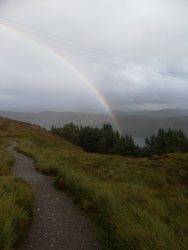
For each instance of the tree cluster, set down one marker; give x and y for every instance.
(170, 141)
(100, 140)
(107, 141)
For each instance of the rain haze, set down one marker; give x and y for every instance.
(91, 55)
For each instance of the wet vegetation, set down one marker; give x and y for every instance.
(136, 203)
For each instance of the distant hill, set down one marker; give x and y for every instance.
(135, 123)
(163, 113)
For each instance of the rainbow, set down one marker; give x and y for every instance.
(82, 76)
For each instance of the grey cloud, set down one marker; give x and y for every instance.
(135, 52)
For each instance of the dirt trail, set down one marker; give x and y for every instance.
(57, 223)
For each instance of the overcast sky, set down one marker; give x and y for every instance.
(135, 52)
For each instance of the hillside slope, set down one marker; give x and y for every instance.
(136, 203)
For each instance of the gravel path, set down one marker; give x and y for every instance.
(57, 223)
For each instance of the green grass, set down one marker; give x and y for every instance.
(6, 160)
(16, 203)
(137, 204)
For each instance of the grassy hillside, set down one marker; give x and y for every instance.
(136, 203)
(16, 202)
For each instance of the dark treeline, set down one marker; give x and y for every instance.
(170, 141)
(107, 141)
(100, 140)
